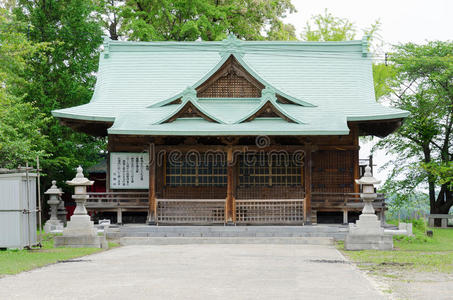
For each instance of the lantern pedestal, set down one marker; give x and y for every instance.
(80, 231)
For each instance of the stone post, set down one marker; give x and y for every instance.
(367, 233)
(53, 224)
(80, 231)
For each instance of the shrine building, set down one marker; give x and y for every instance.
(240, 132)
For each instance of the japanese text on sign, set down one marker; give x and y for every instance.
(129, 170)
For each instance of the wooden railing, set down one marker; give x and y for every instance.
(342, 200)
(270, 211)
(191, 211)
(117, 199)
(212, 211)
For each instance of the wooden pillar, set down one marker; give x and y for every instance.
(230, 211)
(107, 172)
(355, 158)
(307, 184)
(152, 210)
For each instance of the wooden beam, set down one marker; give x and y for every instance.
(307, 184)
(152, 210)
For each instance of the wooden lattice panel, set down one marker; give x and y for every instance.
(231, 86)
(193, 211)
(230, 81)
(269, 211)
(333, 171)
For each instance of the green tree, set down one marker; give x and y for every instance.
(62, 75)
(327, 27)
(424, 144)
(20, 137)
(183, 20)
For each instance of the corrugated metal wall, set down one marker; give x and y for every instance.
(17, 216)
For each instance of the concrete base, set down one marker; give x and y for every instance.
(368, 242)
(52, 226)
(367, 234)
(81, 233)
(81, 241)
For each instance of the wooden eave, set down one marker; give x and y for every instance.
(95, 128)
(379, 128)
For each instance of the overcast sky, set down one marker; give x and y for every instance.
(402, 21)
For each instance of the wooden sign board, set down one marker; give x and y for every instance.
(129, 170)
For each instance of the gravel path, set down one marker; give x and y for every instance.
(197, 272)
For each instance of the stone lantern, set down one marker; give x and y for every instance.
(53, 224)
(368, 195)
(80, 231)
(367, 233)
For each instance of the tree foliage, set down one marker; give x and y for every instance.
(424, 144)
(21, 139)
(182, 20)
(61, 75)
(327, 28)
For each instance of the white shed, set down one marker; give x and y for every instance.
(18, 210)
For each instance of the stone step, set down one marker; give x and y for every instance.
(338, 233)
(125, 241)
(230, 234)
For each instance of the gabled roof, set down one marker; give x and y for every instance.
(324, 85)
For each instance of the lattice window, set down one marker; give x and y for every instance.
(266, 170)
(204, 172)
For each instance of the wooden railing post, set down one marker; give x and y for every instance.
(152, 211)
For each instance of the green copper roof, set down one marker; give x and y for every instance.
(329, 83)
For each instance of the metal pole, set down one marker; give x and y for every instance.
(28, 203)
(39, 201)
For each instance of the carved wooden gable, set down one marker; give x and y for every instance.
(189, 111)
(230, 81)
(268, 111)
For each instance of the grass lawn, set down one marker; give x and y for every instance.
(419, 253)
(16, 261)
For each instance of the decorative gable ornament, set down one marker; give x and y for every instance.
(231, 45)
(106, 45)
(268, 93)
(189, 94)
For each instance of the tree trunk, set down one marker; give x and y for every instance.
(443, 203)
(431, 180)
